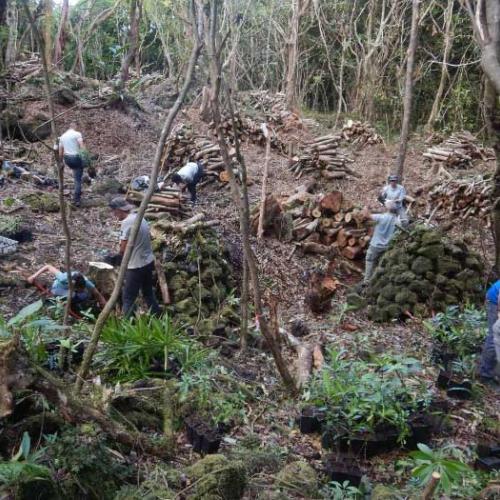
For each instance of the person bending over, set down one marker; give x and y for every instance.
(84, 291)
(189, 175)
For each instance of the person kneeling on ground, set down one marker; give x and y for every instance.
(385, 226)
(189, 175)
(139, 275)
(489, 358)
(83, 289)
(396, 193)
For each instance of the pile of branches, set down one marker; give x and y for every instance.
(459, 198)
(21, 70)
(360, 133)
(322, 158)
(323, 224)
(168, 202)
(458, 151)
(266, 106)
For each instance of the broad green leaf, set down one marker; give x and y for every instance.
(26, 445)
(26, 312)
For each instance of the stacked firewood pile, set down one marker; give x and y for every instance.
(168, 202)
(186, 146)
(20, 70)
(459, 150)
(265, 105)
(324, 224)
(360, 133)
(458, 198)
(321, 157)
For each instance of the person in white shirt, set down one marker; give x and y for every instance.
(396, 193)
(70, 148)
(189, 175)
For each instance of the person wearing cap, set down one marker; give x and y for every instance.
(385, 227)
(489, 359)
(139, 274)
(83, 289)
(70, 149)
(395, 192)
(189, 175)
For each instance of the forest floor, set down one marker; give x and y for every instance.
(126, 146)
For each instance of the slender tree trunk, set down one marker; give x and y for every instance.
(60, 42)
(58, 161)
(241, 200)
(133, 40)
(448, 43)
(167, 127)
(405, 128)
(12, 23)
(47, 31)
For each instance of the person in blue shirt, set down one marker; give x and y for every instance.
(83, 289)
(488, 361)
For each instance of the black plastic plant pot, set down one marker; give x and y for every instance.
(341, 471)
(311, 420)
(368, 446)
(488, 450)
(197, 443)
(210, 443)
(460, 390)
(488, 464)
(421, 431)
(330, 439)
(443, 380)
(442, 356)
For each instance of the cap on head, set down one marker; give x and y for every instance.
(121, 203)
(393, 178)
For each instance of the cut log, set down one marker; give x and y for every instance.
(351, 253)
(304, 364)
(162, 281)
(332, 202)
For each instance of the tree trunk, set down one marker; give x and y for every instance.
(405, 128)
(133, 37)
(3, 11)
(448, 43)
(12, 22)
(47, 31)
(167, 127)
(60, 42)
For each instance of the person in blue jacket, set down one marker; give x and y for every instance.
(488, 356)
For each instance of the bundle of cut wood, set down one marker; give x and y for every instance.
(168, 202)
(323, 224)
(20, 69)
(462, 198)
(321, 157)
(360, 133)
(459, 150)
(265, 105)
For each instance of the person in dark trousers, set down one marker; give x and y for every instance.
(189, 175)
(139, 274)
(70, 149)
(489, 360)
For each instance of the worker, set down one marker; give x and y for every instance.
(189, 175)
(395, 192)
(385, 226)
(83, 289)
(139, 274)
(70, 149)
(489, 359)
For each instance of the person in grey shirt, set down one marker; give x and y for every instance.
(139, 274)
(384, 231)
(395, 192)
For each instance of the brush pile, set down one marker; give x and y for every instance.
(360, 133)
(458, 151)
(421, 273)
(458, 198)
(199, 277)
(322, 158)
(166, 203)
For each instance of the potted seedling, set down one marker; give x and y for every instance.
(311, 419)
(457, 380)
(342, 468)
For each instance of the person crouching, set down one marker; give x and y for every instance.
(189, 176)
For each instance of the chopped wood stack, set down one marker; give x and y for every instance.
(360, 133)
(322, 158)
(20, 70)
(459, 150)
(166, 203)
(462, 198)
(328, 224)
(266, 105)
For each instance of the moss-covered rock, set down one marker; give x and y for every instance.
(448, 266)
(217, 478)
(432, 252)
(355, 301)
(422, 265)
(298, 477)
(42, 202)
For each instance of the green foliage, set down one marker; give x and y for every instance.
(459, 331)
(140, 347)
(342, 491)
(428, 461)
(362, 396)
(10, 224)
